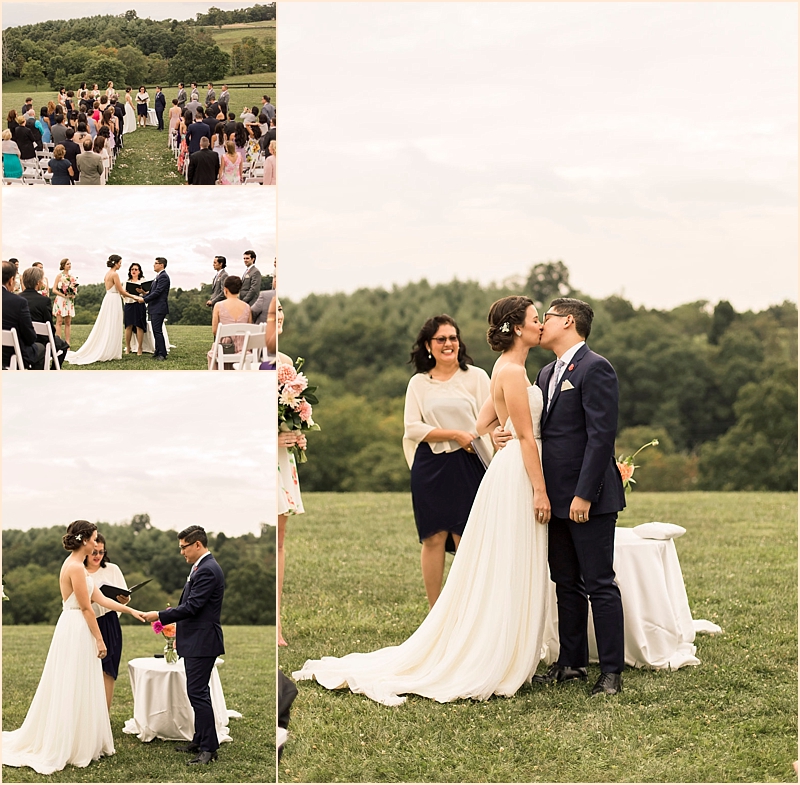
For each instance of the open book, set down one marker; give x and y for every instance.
(112, 591)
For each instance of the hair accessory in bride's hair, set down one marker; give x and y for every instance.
(504, 328)
(79, 537)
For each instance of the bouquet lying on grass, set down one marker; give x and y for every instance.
(295, 399)
(626, 465)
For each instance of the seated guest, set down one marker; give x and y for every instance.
(60, 167)
(203, 165)
(270, 165)
(90, 164)
(26, 141)
(260, 307)
(44, 287)
(12, 165)
(17, 315)
(41, 309)
(231, 310)
(82, 133)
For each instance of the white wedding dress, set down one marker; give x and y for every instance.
(68, 718)
(484, 634)
(129, 123)
(105, 340)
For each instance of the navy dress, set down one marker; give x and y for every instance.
(135, 315)
(60, 170)
(112, 635)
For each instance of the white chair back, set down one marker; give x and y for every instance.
(253, 347)
(46, 329)
(218, 358)
(10, 339)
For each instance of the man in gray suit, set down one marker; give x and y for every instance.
(251, 280)
(217, 295)
(181, 96)
(90, 163)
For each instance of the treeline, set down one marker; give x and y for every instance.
(32, 560)
(124, 49)
(186, 306)
(717, 387)
(218, 17)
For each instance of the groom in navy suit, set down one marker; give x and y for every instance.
(579, 425)
(157, 307)
(199, 637)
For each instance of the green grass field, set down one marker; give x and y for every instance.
(248, 680)
(228, 35)
(353, 583)
(191, 344)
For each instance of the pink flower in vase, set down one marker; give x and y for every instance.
(157, 627)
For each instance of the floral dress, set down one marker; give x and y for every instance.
(64, 306)
(289, 500)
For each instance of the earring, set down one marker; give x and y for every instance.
(519, 334)
(430, 356)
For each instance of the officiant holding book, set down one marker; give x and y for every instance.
(199, 637)
(104, 573)
(135, 313)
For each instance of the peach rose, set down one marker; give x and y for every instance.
(626, 470)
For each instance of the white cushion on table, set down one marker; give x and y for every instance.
(655, 530)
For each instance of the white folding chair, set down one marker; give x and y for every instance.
(45, 328)
(218, 357)
(253, 347)
(10, 339)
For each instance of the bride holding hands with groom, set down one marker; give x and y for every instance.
(550, 495)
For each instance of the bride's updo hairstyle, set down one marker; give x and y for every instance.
(113, 259)
(504, 316)
(78, 532)
(420, 356)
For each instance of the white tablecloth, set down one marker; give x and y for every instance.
(161, 706)
(151, 117)
(659, 630)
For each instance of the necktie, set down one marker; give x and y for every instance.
(554, 381)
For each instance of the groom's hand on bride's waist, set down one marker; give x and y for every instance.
(501, 437)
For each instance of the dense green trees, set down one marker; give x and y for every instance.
(717, 388)
(32, 560)
(125, 49)
(249, 57)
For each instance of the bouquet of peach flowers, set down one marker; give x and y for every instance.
(168, 631)
(295, 401)
(68, 285)
(626, 465)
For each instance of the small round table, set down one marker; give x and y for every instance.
(161, 707)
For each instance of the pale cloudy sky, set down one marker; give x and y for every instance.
(187, 226)
(15, 14)
(650, 146)
(185, 447)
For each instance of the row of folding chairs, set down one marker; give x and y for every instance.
(252, 353)
(10, 338)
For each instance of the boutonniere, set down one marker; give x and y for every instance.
(571, 367)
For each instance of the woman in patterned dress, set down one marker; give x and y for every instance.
(289, 499)
(64, 305)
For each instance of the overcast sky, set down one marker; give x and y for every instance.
(15, 14)
(187, 226)
(185, 447)
(650, 146)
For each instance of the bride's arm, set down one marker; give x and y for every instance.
(514, 388)
(77, 577)
(487, 417)
(101, 599)
(122, 290)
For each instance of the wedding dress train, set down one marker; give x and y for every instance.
(105, 340)
(484, 634)
(68, 718)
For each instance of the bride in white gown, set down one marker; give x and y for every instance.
(105, 340)
(68, 718)
(129, 124)
(484, 634)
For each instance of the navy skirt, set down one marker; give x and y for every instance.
(135, 315)
(443, 487)
(112, 635)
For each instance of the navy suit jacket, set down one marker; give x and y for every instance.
(156, 298)
(17, 314)
(199, 633)
(161, 102)
(578, 433)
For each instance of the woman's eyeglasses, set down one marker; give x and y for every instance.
(98, 553)
(443, 339)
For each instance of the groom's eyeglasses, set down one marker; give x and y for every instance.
(443, 339)
(554, 313)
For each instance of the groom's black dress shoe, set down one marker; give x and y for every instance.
(608, 684)
(159, 357)
(561, 673)
(203, 757)
(187, 747)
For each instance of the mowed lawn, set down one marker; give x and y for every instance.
(353, 584)
(248, 681)
(192, 342)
